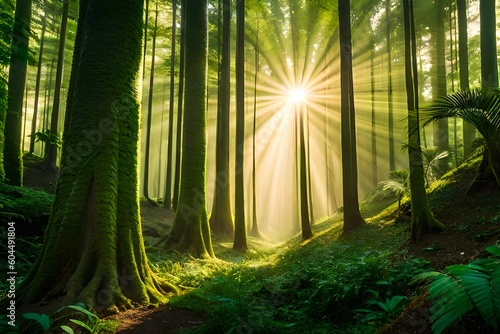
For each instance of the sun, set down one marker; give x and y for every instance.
(297, 95)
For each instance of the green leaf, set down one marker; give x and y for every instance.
(494, 249)
(81, 324)
(90, 315)
(42, 319)
(67, 329)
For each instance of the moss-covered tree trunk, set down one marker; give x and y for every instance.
(190, 231)
(51, 158)
(6, 21)
(221, 220)
(489, 53)
(422, 220)
(240, 230)
(180, 96)
(12, 154)
(167, 201)
(93, 250)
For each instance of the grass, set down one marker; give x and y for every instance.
(329, 284)
(281, 289)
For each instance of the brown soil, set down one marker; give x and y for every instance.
(473, 223)
(159, 320)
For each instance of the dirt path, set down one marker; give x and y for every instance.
(160, 320)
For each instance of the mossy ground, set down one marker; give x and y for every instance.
(319, 286)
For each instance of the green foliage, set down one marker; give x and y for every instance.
(295, 289)
(463, 288)
(432, 168)
(398, 183)
(63, 317)
(68, 319)
(25, 201)
(48, 138)
(382, 311)
(481, 108)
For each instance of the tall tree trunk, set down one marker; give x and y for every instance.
(180, 96)
(7, 16)
(37, 85)
(440, 131)
(46, 102)
(240, 231)
(422, 221)
(145, 185)
(12, 154)
(254, 230)
(390, 104)
(374, 178)
(167, 201)
(305, 221)
(489, 64)
(145, 39)
(51, 158)
(93, 250)
(26, 97)
(469, 131)
(221, 221)
(352, 216)
(190, 231)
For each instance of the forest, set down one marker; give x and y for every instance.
(249, 166)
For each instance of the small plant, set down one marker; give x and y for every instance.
(432, 168)
(398, 184)
(382, 311)
(463, 288)
(48, 138)
(60, 319)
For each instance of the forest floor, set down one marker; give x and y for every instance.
(473, 223)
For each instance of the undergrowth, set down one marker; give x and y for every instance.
(315, 287)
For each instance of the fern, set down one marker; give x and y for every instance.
(463, 288)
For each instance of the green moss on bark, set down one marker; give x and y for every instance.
(93, 251)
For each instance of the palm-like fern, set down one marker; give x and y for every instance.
(481, 108)
(398, 184)
(463, 288)
(430, 158)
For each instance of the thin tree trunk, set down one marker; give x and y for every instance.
(374, 178)
(145, 188)
(440, 131)
(37, 86)
(469, 131)
(254, 231)
(392, 159)
(12, 154)
(25, 116)
(304, 205)
(145, 43)
(167, 202)
(51, 158)
(47, 113)
(180, 96)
